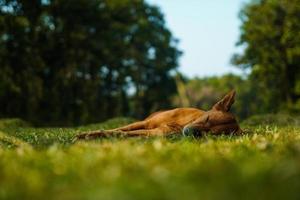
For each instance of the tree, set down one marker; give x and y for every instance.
(270, 35)
(75, 61)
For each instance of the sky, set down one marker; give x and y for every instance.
(207, 31)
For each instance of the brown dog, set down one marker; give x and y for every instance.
(217, 120)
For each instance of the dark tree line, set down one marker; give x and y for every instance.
(78, 61)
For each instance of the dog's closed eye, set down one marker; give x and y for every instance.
(207, 119)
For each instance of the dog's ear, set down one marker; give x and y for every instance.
(225, 103)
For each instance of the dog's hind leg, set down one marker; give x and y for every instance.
(160, 131)
(117, 131)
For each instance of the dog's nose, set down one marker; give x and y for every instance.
(189, 130)
(186, 131)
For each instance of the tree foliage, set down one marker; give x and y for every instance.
(64, 62)
(270, 36)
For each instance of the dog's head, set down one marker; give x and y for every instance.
(217, 120)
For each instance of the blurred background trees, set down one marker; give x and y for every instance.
(270, 35)
(77, 61)
(66, 62)
(270, 38)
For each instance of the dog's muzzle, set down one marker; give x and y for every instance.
(190, 131)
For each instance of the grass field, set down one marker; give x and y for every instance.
(44, 163)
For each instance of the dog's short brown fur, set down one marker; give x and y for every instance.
(216, 121)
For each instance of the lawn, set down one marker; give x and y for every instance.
(44, 163)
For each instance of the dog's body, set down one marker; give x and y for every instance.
(217, 120)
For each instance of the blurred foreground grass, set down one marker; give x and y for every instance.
(43, 163)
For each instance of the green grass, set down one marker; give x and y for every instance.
(44, 163)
